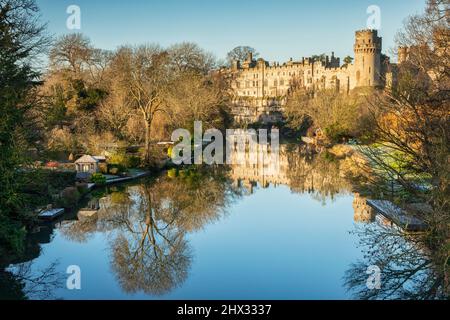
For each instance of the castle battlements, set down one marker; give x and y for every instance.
(262, 81)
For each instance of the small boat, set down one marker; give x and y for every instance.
(51, 214)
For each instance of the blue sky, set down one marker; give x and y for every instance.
(277, 29)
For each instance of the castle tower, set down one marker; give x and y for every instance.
(367, 58)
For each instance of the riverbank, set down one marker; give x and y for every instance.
(391, 201)
(52, 213)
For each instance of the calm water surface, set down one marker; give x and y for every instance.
(234, 233)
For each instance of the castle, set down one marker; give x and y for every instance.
(260, 89)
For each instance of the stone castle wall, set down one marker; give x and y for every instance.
(260, 89)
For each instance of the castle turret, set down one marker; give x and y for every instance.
(367, 58)
(248, 63)
(236, 65)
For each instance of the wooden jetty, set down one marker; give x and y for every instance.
(125, 179)
(397, 215)
(51, 214)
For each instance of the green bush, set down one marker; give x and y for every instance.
(39, 186)
(172, 173)
(134, 162)
(169, 152)
(82, 188)
(69, 197)
(98, 178)
(12, 235)
(124, 161)
(336, 133)
(118, 159)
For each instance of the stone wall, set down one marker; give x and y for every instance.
(260, 89)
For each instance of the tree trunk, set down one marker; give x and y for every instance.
(148, 125)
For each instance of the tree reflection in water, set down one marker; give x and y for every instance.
(151, 253)
(22, 283)
(148, 224)
(407, 269)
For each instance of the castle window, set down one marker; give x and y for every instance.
(275, 83)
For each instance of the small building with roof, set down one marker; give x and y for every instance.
(88, 165)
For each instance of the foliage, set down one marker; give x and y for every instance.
(69, 197)
(20, 38)
(338, 115)
(411, 125)
(241, 54)
(86, 99)
(348, 60)
(98, 178)
(124, 161)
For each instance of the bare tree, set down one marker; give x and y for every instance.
(410, 163)
(72, 52)
(241, 53)
(144, 75)
(190, 57)
(195, 97)
(408, 271)
(115, 111)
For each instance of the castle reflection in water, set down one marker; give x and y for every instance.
(299, 169)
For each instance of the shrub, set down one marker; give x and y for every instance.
(82, 188)
(69, 197)
(336, 133)
(172, 173)
(114, 171)
(98, 178)
(103, 167)
(120, 159)
(38, 186)
(134, 162)
(124, 161)
(169, 151)
(12, 235)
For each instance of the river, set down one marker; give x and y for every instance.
(225, 232)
